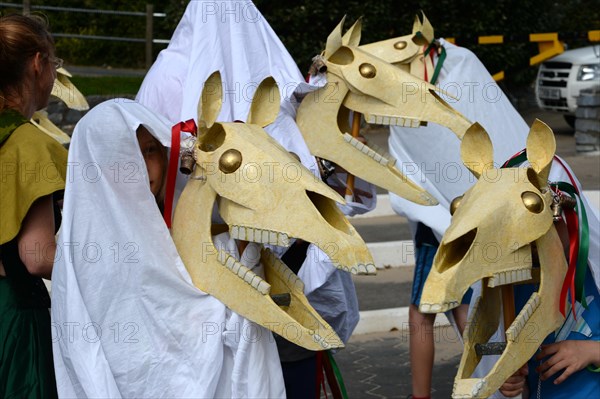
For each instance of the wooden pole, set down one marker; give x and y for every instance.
(149, 38)
(26, 7)
(508, 304)
(355, 132)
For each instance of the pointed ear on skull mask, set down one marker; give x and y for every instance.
(266, 196)
(495, 229)
(402, 51)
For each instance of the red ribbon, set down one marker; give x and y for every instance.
(569, 282)
(573, 229)
(431, 53)
(320, 377)
(557, 159)
(187, 126)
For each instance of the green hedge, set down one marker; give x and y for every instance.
(303, 26)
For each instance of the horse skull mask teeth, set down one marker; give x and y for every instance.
(493, 231)
(384, 94)
(264, 195)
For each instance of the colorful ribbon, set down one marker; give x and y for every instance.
(579, 237)
(430, 50)
(579, 246)
(338, 375)
(328, 369)
(187, 126)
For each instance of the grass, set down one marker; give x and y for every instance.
(107, 85)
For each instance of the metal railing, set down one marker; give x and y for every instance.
(149, 40)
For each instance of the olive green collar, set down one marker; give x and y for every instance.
(9, 121)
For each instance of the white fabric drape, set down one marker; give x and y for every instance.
(234, 38)
(127, 320)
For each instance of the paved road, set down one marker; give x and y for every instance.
(377, 365)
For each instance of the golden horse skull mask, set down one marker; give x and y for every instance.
(264, 195)
(360, 82)
(494, 229)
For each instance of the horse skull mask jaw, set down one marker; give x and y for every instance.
(384, 94)
(491, 237)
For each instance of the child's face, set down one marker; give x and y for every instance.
(155, 157)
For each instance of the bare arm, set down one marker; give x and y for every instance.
(36, 242)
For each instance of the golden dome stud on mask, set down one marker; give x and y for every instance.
(455, 204)
(367, 70)
(400, 45)
(230, 161)
(532, 201)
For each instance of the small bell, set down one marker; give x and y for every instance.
(560, 202)
(187, 163)
(556, 211)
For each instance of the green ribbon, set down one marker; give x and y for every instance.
(516, 160)
(584, 240)
(338, 375)
(593, 369)
(440, 61)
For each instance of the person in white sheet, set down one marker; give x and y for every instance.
(430, 156)
(127, 320)
(234, 38)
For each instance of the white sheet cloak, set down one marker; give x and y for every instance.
(127, 320)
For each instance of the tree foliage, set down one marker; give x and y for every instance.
(303, 26)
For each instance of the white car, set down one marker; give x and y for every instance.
(560, 79)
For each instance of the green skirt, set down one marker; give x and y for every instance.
(26, 366)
